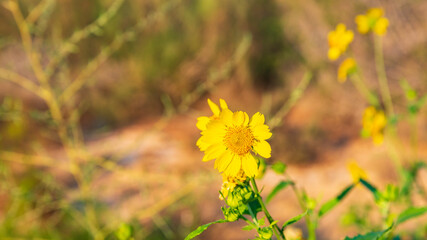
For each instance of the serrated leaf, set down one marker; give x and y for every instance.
(372, 189)
(202, 228)
(326, 207)
(294, 219)
(371, 235)
(280, 186)
(409, 213)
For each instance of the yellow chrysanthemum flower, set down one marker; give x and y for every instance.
(230, 182)
(356, 172)
(203, 121)
(347, 67)
(373, 20)
(374, 122)
(231, 138)
(338, 41)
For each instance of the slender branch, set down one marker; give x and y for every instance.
(295, 96)
(277, 231)
(382, 77)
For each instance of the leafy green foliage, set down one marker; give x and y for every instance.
(326, 207)
(371, 235)
(409, 213)
(280, 186)
(202, 228)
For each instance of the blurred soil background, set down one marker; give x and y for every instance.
(137, 111)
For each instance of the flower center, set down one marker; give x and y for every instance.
(239, 139)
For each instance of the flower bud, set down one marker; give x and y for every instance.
(265, 233)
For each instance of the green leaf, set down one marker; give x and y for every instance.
(409, 213)
(255, 207)
(249, 227)
(370, 187)
(202, 228)
(294, 219)
(326, 207)
(279, 167)
(281, 185)
(371, 235)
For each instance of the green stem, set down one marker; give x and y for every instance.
(364, 90)
(382, 77)
(277, 231)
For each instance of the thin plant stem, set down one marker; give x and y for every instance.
(360, 85)
(277, 231)
(382, 77)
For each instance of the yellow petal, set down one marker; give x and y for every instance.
(234, 166)
(362, 24)
(257, 119)
(223, 104)
(239, 118)
(223, 161)
(214, 107)
(213, 152)
(333, 53)
(227, 117)
(380, 27)
(261, 132)
(202, 144)
(263, 149)
(202, 122)
(250, 165)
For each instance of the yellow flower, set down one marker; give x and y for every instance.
(203, 121)
(373, 20)
(374, 122)
(230, 182)
(231, 138)
(338, 41)
(292, 233)
(346, 68)
(356, 172)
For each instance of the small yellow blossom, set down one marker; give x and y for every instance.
(292, 233)
(347, 67)
(230, 140)
(373, 124)
(338, 41)
(373, 20)
(356, 172)
(230, 182)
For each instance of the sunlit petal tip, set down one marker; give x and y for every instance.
(223, 104)
(214, 108)
(257, 119)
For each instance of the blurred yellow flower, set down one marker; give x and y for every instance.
(203, 121)
(230, 140)
(347, 67)
(338, 41)
(373, 20)
(292, 233)
(373, 124)
(230, 182)
(356, 172)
